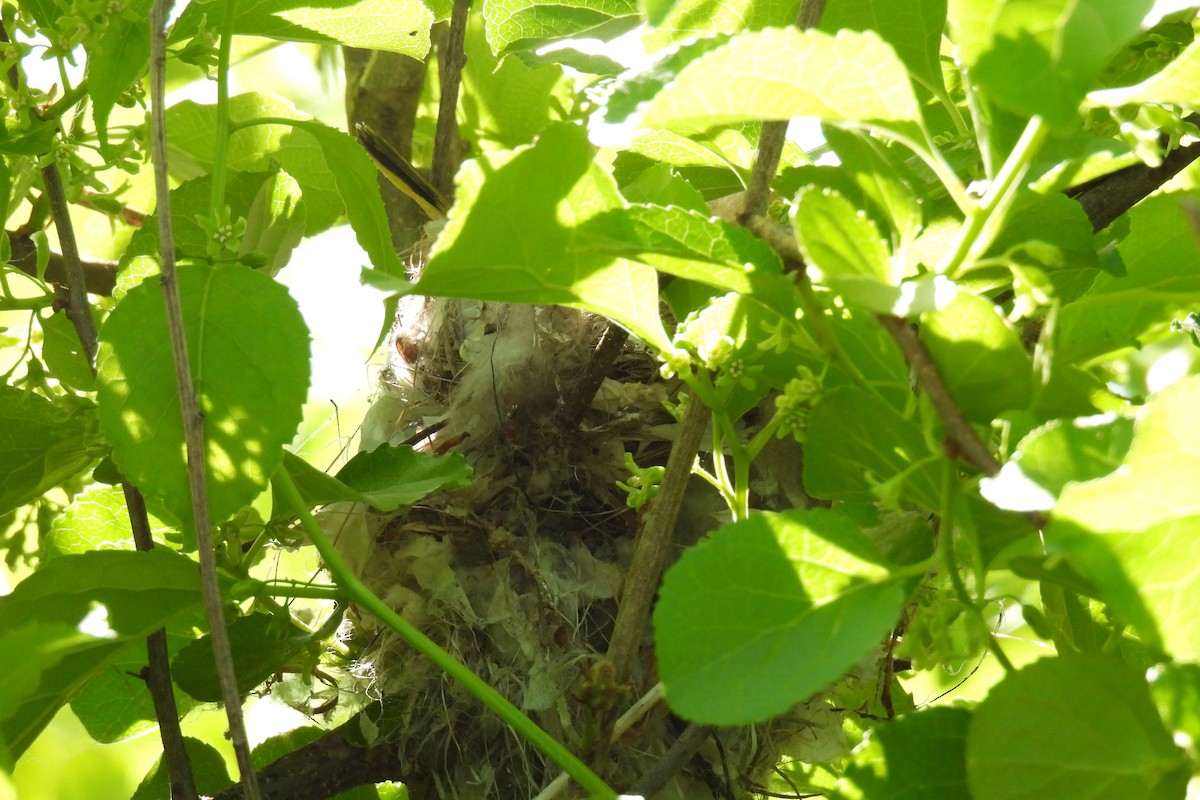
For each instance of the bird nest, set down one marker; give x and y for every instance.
(518, 575)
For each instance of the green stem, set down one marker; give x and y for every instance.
(26, 303)
(946, 555)
(221, 151)
(359, 593)
(980, 226)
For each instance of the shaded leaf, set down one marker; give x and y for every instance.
(1072, 727)
(260, 646)
(139, 591)
(919, 756)
(860, 448)
(251, 388)
(768, 611)
(42, 444)
(981, 359)
(1162, 262)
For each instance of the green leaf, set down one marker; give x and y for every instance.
(115, 706)
(1177, 83)
(1052, 230)
(140, 592)
(508, 102)
(844, 251)
(248, 348)
(919, 756)
(694, 246)
(396, 26)
(511, 237)
(354, 177)
(1146, 517)
(141, 257)
(1162, 262)
(783, 73)
(529, 24)
(29, 651)
(97, 519)
(1072, 727)
(387, 478)
(1041, 57)
(259, 147)
(1066, 451)
(63, 353)
(275, 222)
(208, 767)
(42, 444)
(677, 20)
(860, 448)
(390, 477)
(261, 646)
(768, 611)
(115, 60)
(914, 29)
(878, 169)
(981, 359)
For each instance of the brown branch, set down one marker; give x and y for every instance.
(773, 134)
(158, 670)
(78, 310)
(99, 276)
(452, 57)
(193, 421)
(957, 427)
(652, 781)
(1108, 197)
(611, 343)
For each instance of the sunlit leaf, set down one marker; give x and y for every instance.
(1042, 56)
(510, 237)
(397, 26)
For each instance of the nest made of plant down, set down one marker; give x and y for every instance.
(518, 574)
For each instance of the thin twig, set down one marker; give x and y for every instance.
(193, 422)
(452, 57)
(774, 133)
(631, 717)
(650, 557)
(78, 310)
(654, 542)
(926, 372)
(612, 341)
(158, 671)
(660, 773)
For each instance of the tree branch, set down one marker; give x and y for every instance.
(99, 276)
(1109, 196)
(452, 57)
(957, 427)
(654, 779)
(773, 134)
(78, 310)
(193, 421)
